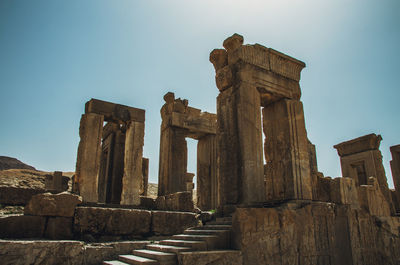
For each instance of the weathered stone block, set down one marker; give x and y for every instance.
(111, 221)
(47, 204)
(41, 252)
(22, 226)
(59, 228)
(171, 223)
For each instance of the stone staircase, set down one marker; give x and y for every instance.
(214, 235)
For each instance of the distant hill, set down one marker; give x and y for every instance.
(13, 163)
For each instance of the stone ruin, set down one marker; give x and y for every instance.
(110, 165)
(282, 212)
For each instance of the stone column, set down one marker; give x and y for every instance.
(173, 160)
(229, 168)
(105, 174)
(207, 185)
(250, 143)
(286, 151)
(117, 168)
(241, 168)
(132, 163)
(88, 159)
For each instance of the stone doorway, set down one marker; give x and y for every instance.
(179, 121)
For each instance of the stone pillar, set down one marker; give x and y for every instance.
(229, 168)
(248, 111)
(207, 183)
(145, 176)
(132, 163)
(173, 160)
(395, 167)
(105, 174)
(114, 195)
(286, 151)
(88, 159)
(241, 168)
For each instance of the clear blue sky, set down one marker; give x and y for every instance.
(55, 55)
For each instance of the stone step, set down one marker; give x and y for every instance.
(212, 227)
(213, 241)
(205, 232)
(169, 249)
(216, 222)
(135, 260)
(223, 219)
(114, 262)
(163, 258)
(193, 245)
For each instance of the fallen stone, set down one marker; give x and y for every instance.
(179, 201)
(47, 204)
(171, 223)
(111, 221)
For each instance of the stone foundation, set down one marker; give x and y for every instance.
(62, 252)
(315, 233)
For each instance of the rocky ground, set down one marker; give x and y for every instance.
(13, 163)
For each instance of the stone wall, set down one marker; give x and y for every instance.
(63, 252)
(315, 233)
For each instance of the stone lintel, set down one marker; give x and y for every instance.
(358, 145)
(271, 86)
(114, 112)
(268, 59)
(205, 123)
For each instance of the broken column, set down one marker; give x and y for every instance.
(250, 77)
(361, 159)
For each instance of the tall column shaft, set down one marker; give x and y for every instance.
(132, 163)
(286, 151)
(89, 152)
(173, 161)
(241, 170)
(207, 194)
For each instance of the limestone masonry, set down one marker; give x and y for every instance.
(244, 211)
